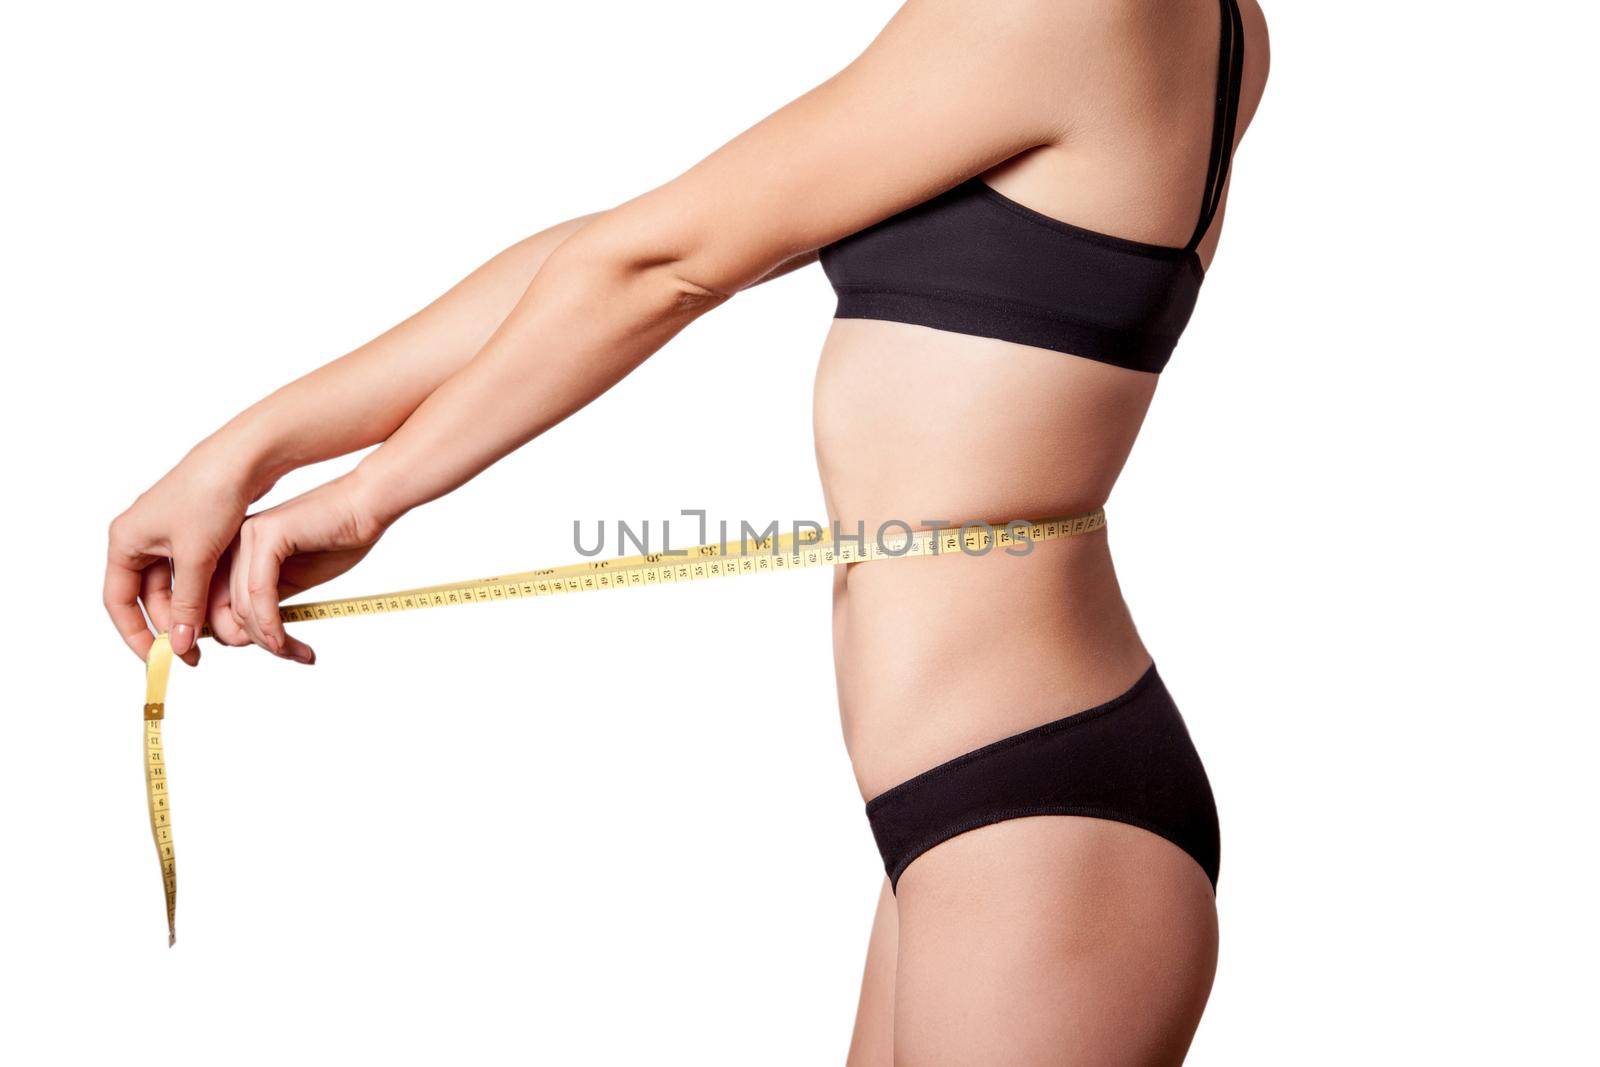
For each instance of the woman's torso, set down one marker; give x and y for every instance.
(936, 657)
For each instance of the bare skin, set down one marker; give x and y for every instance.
(1050, 940)
(1101, 938)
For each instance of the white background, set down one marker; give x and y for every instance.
(1357, 534)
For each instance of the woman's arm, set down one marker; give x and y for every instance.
(362, 397)
(186, 521)
(950, 88)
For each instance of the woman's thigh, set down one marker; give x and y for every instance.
(872, 1043)
(1052, 940)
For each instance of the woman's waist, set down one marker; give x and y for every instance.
(920, 425)
(938, 656)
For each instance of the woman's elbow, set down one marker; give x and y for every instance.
(629, 276)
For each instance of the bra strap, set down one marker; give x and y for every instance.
(1225, 120)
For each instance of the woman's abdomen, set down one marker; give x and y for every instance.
(936, 657)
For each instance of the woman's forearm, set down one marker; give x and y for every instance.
(362, 397)
(590, 317)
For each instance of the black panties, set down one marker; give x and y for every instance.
(1129, 760)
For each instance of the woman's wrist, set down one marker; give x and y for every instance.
(376, 501)
(239, 458)
(263, 443)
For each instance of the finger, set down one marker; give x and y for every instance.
(267, 553)
(225, 629)
(259, 557)
(121, 598)
(238, 576)
(155, 592)
(293, 647)
(192, 567)
(298, 650)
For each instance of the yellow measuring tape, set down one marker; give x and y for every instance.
(157, 665)
(732, 560)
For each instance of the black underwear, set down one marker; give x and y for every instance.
(1128, 760)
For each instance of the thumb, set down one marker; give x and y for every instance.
(191, 579)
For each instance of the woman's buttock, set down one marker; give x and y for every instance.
(937, 657)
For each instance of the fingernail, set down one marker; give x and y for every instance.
(303, 655)
(182, 638)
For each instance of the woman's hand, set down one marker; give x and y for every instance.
(286, 550)
(164, 549)
(184, 524)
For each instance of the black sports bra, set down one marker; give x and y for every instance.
(974, 261)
